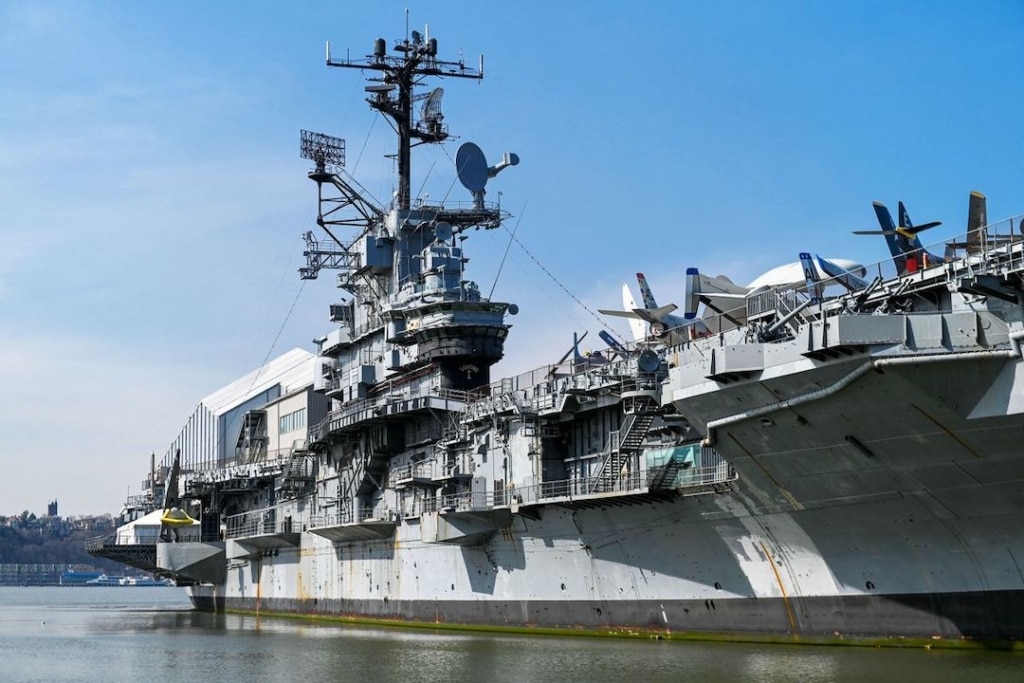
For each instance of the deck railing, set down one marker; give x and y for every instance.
(268, 520)
(688, 481)
(260, 523)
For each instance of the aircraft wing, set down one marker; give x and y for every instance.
(844, 277)
(720, 286)
(620, 314)
(700, 287)
(660, 323)
(612, 342)
(635, 314)
(719, 294)
(651, 315)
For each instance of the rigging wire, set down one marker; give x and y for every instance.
(366, 141)
(287, 317)
(270, 304)
(277, 337)
(451, 186)
(302, 283)
(513, 238)
(430, 170)
(504, 255)
(593, 314)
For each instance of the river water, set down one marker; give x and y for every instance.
(115, 635)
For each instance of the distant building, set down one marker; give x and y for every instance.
(51, 509)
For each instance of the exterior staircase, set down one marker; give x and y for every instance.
(619, 470)
(665, 476)
(633, 432)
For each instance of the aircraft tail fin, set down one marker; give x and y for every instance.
(904, 217)
(636, 325)
(977, 221)
(814, 288)
(977, 225)
(692, 293)
(892, 239)
(645, 292)
(913, 250)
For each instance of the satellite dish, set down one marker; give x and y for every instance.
(513, 309)
(472, 167)
(443, 232)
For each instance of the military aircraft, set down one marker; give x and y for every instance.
(719, 294)
(580, 360)
(728, 299)
(815, 266)
(905, 246)
(909, 254)
(653, 320)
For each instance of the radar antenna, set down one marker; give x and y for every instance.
(430, 126)
(328, 153)
(325, 150)
(392, 94)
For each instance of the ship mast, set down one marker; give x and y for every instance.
(413, 307)
(392, 95)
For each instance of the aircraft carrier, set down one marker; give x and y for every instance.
(833, 460)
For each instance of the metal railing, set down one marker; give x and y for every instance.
(228, 470)
(265, 521)
(260, 522)
(417, 470)
(430, 470)
(363, 409)
(345, 515)
(998, 248)
(145, 537)
(581, 488)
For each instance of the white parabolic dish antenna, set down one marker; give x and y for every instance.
(471, 166)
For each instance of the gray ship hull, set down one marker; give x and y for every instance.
(891, 566)
(909, 618)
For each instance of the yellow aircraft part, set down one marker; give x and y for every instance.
(176, 517)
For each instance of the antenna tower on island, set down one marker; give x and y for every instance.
(392, 94)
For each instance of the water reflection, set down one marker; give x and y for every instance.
(117, 637)
(787, 665)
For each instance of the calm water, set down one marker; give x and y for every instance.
(114, 635)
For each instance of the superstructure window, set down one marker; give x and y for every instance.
(293, 421)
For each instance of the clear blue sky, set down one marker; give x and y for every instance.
(152, 198)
